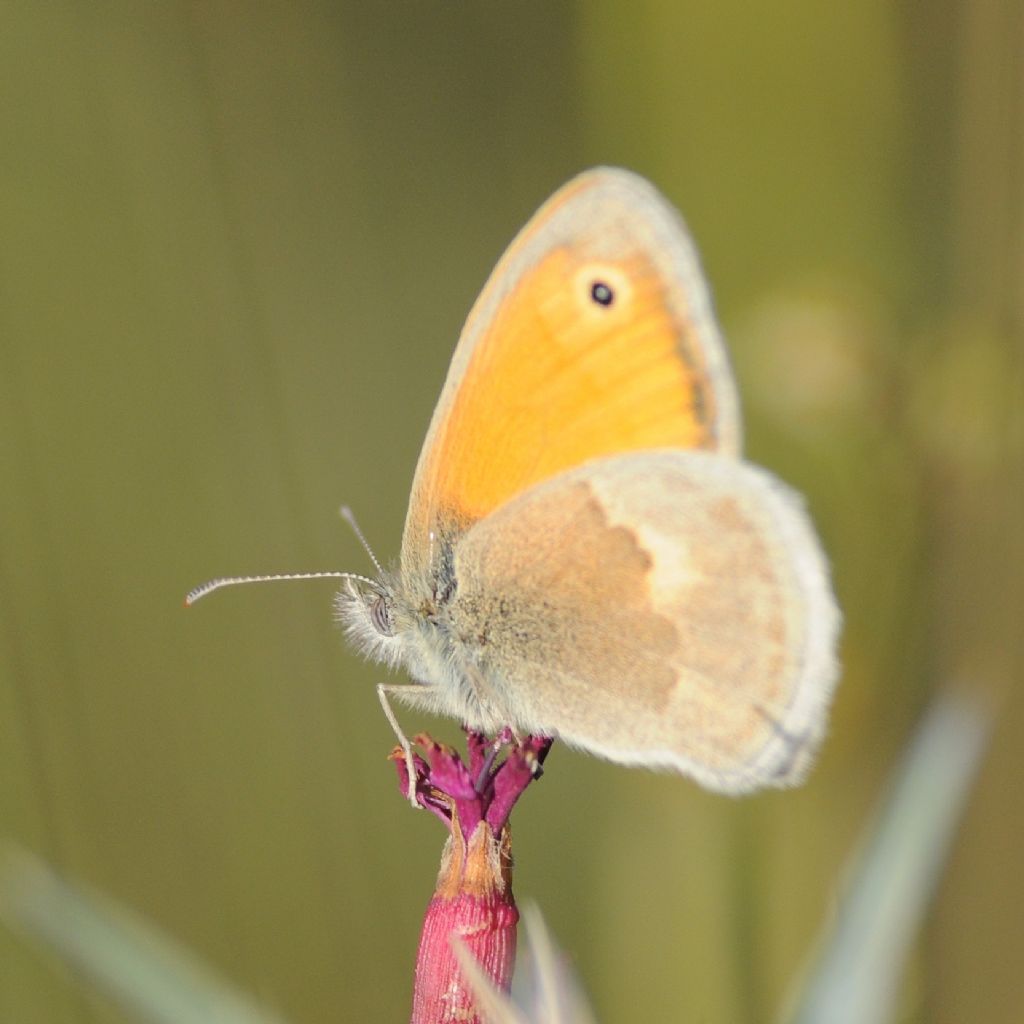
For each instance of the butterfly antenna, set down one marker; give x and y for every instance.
(349, 516)
(232, 581)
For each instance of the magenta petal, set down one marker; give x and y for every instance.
(481, 792)
(480, 749)
(449, 775)
(520, 768)
(426, 795)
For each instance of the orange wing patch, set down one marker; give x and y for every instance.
(569, 380)
(592, 338)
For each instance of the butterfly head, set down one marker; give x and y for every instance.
(373, 618)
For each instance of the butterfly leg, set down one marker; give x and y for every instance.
(383, 690)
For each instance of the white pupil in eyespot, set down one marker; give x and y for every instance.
(601, 293)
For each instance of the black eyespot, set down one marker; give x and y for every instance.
(601, 293)
(380, 616)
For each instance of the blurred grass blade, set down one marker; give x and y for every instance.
(144, 970)
(545, 989)
(491, 1005)
(856, 971)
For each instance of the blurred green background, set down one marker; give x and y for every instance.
(237, 242)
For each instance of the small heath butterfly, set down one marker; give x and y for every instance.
(586, 554)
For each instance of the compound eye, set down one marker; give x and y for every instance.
(380, 616)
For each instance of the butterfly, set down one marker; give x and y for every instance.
(586, 555)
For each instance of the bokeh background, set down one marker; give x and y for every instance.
(237, 242)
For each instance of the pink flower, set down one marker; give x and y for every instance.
(473, 899)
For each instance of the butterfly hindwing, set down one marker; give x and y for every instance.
(667, 608)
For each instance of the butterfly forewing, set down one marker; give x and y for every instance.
(594, 336)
